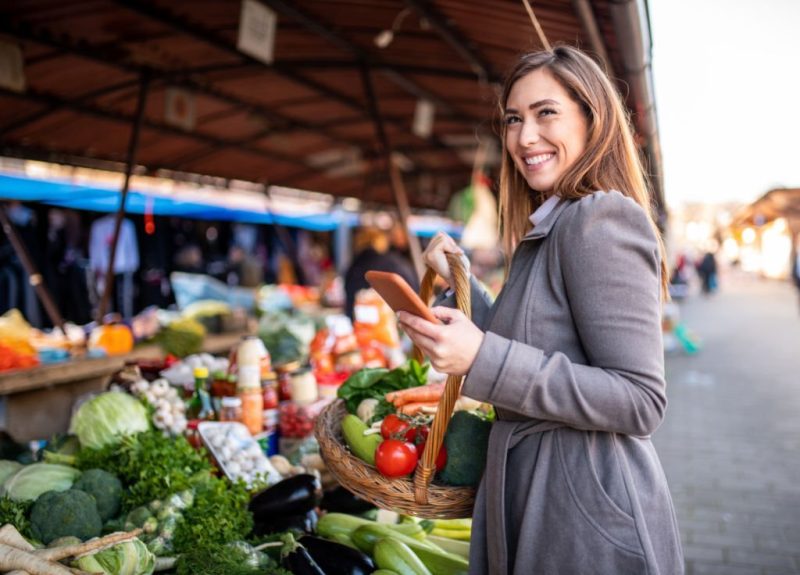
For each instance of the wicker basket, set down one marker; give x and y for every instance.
(417, 495)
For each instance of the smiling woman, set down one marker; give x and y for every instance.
(570, 353)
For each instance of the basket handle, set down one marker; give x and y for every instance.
(427, 465)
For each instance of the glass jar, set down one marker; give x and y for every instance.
(271, 394)
(284, 372)
(193, 434)
(231, 409)
(304, 386)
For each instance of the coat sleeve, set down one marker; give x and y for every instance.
(611, 272)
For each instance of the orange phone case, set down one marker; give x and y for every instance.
(398, 294)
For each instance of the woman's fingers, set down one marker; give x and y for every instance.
(451, 346)
(435, 255)
(417, 324)
(448, 315)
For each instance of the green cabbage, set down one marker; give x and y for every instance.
(8, 468)
(128, 558)
(107, 418)
(31, 481)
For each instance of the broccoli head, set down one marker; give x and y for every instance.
(62, 513)
(105, 488)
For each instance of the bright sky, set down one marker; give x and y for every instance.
(727, 83)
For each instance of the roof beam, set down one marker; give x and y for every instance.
(456, 39)
(167, 17)
(326, 32)
(306, 64)
(31, 118)
(97, 112)
(182, 79)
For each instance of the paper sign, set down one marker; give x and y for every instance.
(179, 108)
(423, 118)
(12, 72)
(257, 25)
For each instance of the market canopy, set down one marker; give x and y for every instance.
(224, 100)
(777, 203)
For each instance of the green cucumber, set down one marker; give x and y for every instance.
(438, 561)
(384, 572)
(333, 525)
(362, 446)
(398, 557)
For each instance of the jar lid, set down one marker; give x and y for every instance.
(231, 401)
(289, 366)
(201, 371)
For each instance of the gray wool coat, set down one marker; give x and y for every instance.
(573, 362)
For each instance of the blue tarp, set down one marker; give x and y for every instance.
(97, 199)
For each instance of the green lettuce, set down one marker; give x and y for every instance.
(107, 418)
(31, 481)
(377, 382)
(128, 558)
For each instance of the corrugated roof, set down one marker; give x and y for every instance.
(303, 121)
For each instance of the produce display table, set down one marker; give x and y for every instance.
(35, 403)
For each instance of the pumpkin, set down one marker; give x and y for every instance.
(113, 338)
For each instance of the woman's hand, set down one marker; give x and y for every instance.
(435, 258)
(451, 346)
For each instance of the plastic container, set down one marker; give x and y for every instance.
(304, 386)
(236, 452)
(230, 409)
(297, 421)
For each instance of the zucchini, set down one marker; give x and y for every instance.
(362, 446)
(460, 548)
(333, 525)
(384, 572)
(398, 557)
(367, 536)
(439, 562)
(458, 534)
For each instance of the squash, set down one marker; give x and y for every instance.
(113, 338)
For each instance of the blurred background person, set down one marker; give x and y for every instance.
(707, 270)
(372, 249)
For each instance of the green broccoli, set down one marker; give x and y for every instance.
(137, 518)
(466, 441)
(106, 490)
(61, 513)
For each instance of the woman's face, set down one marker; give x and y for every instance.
(546, 130)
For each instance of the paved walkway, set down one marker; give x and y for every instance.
(730, 443)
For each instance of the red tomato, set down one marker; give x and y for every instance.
(441, 459)
(395, 458)
(393, 427)
(418, 434)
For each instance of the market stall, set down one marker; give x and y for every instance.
(211, 464)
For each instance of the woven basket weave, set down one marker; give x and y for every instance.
(417, 495)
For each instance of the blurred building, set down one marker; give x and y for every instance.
(765, 232)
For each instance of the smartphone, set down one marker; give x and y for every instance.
(398, 294)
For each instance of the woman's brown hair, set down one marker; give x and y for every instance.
(609, 162)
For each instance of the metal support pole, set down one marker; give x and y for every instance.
(396, 180)
(34, 277)
(133, 146)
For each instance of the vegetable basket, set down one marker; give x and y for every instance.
(415, 495)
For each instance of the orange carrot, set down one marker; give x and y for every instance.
(421, 394)
(415, 408)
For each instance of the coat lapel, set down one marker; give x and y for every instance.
(544, 227)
